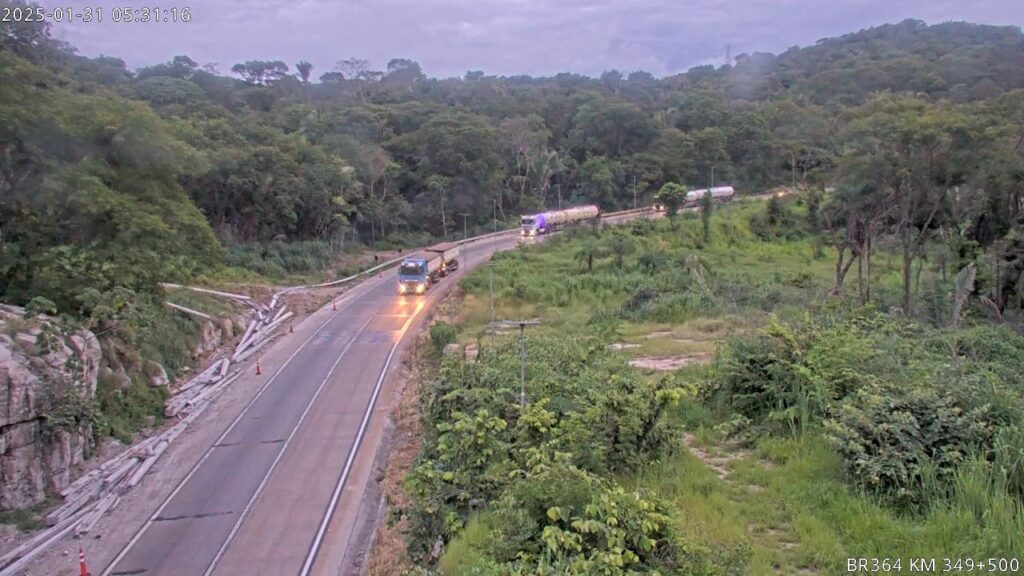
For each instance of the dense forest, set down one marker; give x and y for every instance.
(113, 180)
(900, 150)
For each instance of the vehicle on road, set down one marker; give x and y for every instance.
(449, 253)
(544, 222)
(418, 271)
(718, 194)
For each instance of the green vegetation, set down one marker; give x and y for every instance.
(806, 428)
(180, 172)
(543, 471)
(904, 140)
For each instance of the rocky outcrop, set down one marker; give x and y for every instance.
(213, 335)
(43, 371)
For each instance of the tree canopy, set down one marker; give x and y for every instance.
(930, 117)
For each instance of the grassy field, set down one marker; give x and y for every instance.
(772, 466)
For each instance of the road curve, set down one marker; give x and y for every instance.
(260, 499)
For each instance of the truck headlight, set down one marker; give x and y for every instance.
(420, 288)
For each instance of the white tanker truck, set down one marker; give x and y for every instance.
(537, 224)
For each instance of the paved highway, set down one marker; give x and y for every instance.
(262, 499)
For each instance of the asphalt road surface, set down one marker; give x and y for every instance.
(261, 500)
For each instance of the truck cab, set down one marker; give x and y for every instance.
(533, 225)
(414, 275)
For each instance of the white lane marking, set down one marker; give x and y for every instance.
(280, 453)
(336, 496)
(347, 301)
(329, 512)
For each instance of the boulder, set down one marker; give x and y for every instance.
(156, 374)
(208, 339)
(123, 378)
(227, 329)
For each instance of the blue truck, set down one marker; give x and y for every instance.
(418, 271)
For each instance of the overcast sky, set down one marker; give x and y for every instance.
(501, 37)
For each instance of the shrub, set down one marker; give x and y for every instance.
(888, 435)
(563, 520)
(441, 335)
(588, 414)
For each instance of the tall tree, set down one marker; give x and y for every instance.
(908, 149)
(671, 196)
(261, 72)
(304, 68)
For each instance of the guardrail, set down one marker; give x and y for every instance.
(393, 261)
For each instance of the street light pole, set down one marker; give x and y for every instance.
(522, 365)
(634, 192)
(465, 235)
(522, 353)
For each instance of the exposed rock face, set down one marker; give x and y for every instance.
(213, 335)
(39, 366)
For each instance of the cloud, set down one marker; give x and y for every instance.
(505, 37)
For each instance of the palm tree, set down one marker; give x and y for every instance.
(589, 250)
(651, 260)
(621, 246)
(304, 69)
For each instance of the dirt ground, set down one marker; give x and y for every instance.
(669, 363)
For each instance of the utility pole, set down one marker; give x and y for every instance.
(712, 176)
(494, 205)
(465, 235)
(634, 191)
(444, 223)
(522, 353)
(490, 287)
(559, 195)
(792, 166)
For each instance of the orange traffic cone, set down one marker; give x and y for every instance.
(258, 370)
(334, 305)
(291, 329)
(81, 563)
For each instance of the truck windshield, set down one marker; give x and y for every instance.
(410, 269)
(528, 220)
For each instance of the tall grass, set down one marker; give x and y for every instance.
(787, 503)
